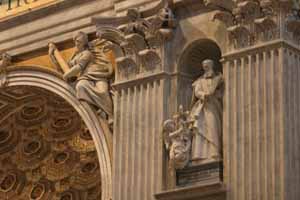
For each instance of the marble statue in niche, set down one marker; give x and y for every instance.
(207, 114)
(92, 71)
(5, 60)
(177, 133)
(177, 139)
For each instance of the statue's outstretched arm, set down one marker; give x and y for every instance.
(57, 59)
(80, 66)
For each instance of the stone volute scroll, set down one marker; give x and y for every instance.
(91, 71)
(5, 61)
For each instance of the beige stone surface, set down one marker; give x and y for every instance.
(255, 45)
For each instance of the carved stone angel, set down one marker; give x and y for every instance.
(93, 71)
(177, 138)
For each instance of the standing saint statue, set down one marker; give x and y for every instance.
(207, 113)
(92, 70)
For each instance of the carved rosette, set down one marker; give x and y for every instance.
(43, 189)
(63, 126)
(86, 176)
(44, 146)
(61, 165)
(9, 138)
(254, 22)
(33, 150)
(33, 113)
(12, 183)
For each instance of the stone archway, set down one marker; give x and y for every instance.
(50, 81)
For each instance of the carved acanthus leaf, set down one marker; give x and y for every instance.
(265, 23)
(240, 35)
(139, 40)
(293, 23)
(226, 17)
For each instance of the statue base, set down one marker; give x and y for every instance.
(200, 192)
(208, 173)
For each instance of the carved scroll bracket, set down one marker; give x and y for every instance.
(138, 38)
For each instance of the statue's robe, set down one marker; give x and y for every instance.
(207, 140)
(92, 87)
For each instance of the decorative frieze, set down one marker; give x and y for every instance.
(255, 22)
(138, 40)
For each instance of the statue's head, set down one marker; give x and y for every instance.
(5, 59)
(208, 65)
(133, 14)
(81, 41)
(169, 125)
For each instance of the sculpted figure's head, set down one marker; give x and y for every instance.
(133, 14)
(169, 126)
(5, 59)
(81, 41)
(208, 65)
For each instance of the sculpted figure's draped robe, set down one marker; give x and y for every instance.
(92, 86)
(207, 140)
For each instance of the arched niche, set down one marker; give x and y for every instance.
(197, 51)
(189, 66)
(32, 76)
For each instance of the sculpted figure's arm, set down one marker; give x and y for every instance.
(199, 93)
(176, 133)
(79, 66)
(57, 59)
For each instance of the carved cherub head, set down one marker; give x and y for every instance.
(169, 126)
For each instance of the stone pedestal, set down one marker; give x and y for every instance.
(209, 173)
(215, 191)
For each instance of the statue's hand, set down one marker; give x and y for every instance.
(66, 77)
(70, 76)
(52, 48)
